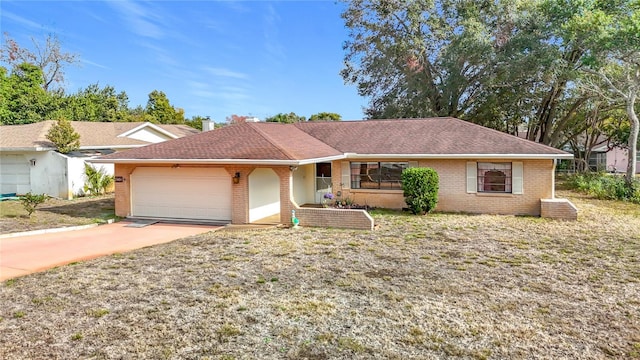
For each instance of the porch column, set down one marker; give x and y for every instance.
(286, 194)
(240, 194)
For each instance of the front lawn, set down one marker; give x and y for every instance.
(56, 213)
(437, 286)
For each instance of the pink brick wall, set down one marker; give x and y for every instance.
(561, 209)
(538, 184)
(337, 218)
(453, 196)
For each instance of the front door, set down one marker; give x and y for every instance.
(323, 181)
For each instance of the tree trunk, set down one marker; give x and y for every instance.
(633, 137)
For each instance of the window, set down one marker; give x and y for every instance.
(494, 177)
(377, 175)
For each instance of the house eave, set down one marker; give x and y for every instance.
(34, 148)
(321, 159)
(95, 147)
(198, 161)
(460, 156)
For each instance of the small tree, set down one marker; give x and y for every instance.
(65, 138)
(98, 181)
(31, 201)
(420, 186)
(325, 116)
(290, 118)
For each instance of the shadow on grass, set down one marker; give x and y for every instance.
(98, 208)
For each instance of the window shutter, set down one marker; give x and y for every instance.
(346, 175)
(517, 178)
(413, 164)
(472, 177)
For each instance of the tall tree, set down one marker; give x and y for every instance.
(97, 104)
(325, 116)
(500, 64)
(48, 57)
(23, 100)
(616, 71)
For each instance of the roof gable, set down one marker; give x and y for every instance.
(93, 135)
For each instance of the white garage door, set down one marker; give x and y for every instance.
(181, 193)
(15, 176)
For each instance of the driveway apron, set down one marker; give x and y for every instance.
(23, 255)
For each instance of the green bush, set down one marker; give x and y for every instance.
(605, 186)
(31, 201)
(420, 187)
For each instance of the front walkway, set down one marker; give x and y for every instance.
(23, 255)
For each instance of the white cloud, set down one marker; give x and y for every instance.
(19, 19)
(272, 45)
(222, 72)
(141, 20)
(85, 61)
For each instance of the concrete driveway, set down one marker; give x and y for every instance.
(23, 255)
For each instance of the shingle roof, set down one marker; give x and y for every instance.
(92, 134)
(249, 141)
(313, 140)
(444, 135)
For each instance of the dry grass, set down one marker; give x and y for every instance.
(438, 286)
(56, 213)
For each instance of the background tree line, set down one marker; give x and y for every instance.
(31, 90)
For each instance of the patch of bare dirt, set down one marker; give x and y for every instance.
(436, 286)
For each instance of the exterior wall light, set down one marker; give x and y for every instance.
(32, 162)
(236, 178)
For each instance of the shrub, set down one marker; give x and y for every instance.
(605, 186)
(98, 181)
(420, 187)
(31, 201)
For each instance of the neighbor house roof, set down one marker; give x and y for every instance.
(309, 142)
(92, 134)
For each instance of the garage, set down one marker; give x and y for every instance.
(181, 193)
(16, 175)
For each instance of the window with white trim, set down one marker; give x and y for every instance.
(494, 177)
(377, 175)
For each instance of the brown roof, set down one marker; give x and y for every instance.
(249, 141)
(313, 140)
(92, 134)
(444, 135)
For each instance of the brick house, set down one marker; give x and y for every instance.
(247, 172)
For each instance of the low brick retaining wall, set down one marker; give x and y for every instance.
(335, 218)
(561, 209)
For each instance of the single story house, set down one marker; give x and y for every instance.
(29, 162)
(247, 172)
(611, 159)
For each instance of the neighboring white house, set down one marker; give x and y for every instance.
(29, 162)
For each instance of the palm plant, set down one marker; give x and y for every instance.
(98, 181)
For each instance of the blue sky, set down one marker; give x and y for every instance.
(211, 58)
